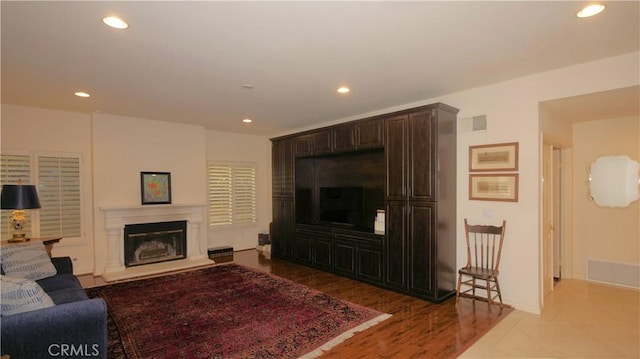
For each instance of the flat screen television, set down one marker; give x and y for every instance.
(341, 205)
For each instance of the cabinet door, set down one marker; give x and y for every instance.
(276, 167)
(302, 146)
(395, 245)
(314, 245)
(288, 186)
(344, 257)
(422, 256)
(321, 142)
(396, 157)
(282, 162)
(369, 263)
(322, 253)
(344, 138)
(304, 245)
(422, 156)
(278, 242)
(283, 237)
(370, 134)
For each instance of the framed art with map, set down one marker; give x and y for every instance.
(155, 187)
(495, 157)
(494, 187)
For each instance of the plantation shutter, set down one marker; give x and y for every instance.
(232, 194)
(59, 193)
(220, 195)
(15, 169)
(244, 181)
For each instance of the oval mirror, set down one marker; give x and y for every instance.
(613, 181)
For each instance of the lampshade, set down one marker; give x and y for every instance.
(19, 197)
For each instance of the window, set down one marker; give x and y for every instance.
(59, 191)
(232, 193)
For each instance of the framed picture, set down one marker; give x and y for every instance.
(494, 187)
(496, 157)
(155, 187)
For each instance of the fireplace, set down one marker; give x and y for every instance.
(112, 258)
(147, 243)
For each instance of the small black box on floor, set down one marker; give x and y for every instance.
(221, 254)
(263, 238)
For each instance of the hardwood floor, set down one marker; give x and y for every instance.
(417, 329)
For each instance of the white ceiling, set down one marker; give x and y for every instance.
(188, 61)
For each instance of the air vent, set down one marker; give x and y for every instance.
(613, 272)
(473, 124)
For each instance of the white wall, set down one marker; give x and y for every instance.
(604, 233)
(115, 149)
(556, 133)
(225, 146)
(512, 112)
(512, 115)
(34, 129)
(125, 146)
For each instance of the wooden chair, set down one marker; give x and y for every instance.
(484, 248)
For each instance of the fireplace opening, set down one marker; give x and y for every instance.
(147, 243)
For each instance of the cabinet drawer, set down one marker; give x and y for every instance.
(318, 231)
(358, 236)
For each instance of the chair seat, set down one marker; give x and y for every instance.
(479, 272)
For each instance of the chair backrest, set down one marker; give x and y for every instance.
(484, 245)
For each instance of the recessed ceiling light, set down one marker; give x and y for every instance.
(115, 22)
(590, 10)
(82, 94)
(343, 89)
(247, 120)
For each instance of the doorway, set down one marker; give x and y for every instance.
(551, 217)
(557, 118)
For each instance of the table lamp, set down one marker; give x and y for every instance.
(18, 198)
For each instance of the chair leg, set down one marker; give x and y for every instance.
(473, 287)
(498, 290)
(458, 289)
(489, 300)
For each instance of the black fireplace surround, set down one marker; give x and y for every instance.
(147, 243)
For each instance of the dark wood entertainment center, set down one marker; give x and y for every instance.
(404, 163)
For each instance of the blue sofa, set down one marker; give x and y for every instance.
(76, 327)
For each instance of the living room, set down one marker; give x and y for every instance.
(115, 148)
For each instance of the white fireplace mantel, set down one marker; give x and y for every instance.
(116, 217)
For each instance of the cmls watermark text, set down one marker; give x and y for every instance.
(80, 350)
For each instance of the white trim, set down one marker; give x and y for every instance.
(116, 217)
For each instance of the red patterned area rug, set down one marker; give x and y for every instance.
(226, 311)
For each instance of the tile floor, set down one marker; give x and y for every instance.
(580, 320)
